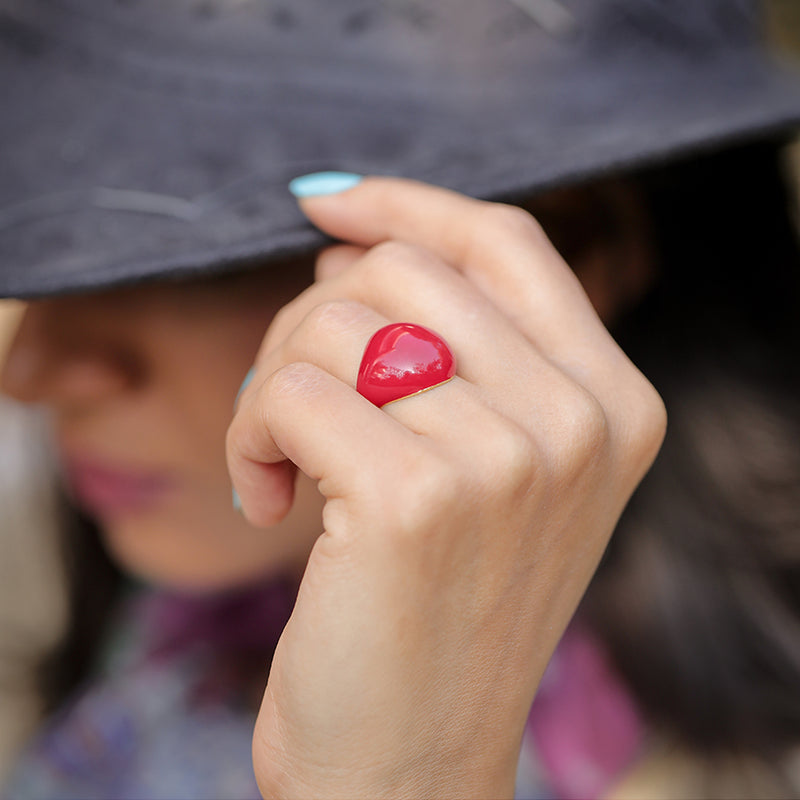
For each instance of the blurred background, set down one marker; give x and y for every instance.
(31, 592)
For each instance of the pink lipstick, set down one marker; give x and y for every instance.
(109, 491)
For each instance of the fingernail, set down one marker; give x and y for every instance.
(245, 384)
(237, 502)
(318, 184)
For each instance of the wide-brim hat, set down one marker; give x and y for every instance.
(146, 139)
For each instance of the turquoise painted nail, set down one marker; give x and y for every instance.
(245, 384)
(318, 184)
(237, 502)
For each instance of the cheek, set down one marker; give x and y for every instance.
(202, 378)
(196, 539)
(201, 544)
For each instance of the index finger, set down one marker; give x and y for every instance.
(500, 248)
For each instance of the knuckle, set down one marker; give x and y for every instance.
(283, 313)
(233, 446)
(588, 433)
(521, 463)
(435, 485)
(508, 220)
(431, 486)
(386, 258)
(290, 382)
(646, 425)
(241, 437)
(281, 324)
(514, 460)
(330, 318)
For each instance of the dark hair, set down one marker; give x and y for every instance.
(94, 584)
(698, 596)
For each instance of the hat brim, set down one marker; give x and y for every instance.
(125, 168)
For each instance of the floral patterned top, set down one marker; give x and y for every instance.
(165, 716)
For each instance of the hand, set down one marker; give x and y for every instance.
(461, 525)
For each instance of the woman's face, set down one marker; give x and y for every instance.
(141, 383)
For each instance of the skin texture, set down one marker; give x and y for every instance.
(459, 528)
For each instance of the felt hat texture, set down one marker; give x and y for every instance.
(144, 139)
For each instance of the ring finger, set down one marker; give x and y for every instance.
(333, 337)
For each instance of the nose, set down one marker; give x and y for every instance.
(57, 358)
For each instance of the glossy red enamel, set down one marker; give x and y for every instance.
(403, 359)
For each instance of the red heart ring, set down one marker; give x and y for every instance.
(403, 359)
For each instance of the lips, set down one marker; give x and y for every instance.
(110, 491)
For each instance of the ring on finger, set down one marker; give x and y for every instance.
(403, 359)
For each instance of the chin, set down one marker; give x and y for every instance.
(158, 555)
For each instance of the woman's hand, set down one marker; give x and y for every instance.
(462, 525)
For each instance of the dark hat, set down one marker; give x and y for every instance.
(143, 138)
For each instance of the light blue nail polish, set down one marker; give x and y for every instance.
(321, 183)
(237, 502)
(245, 384)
